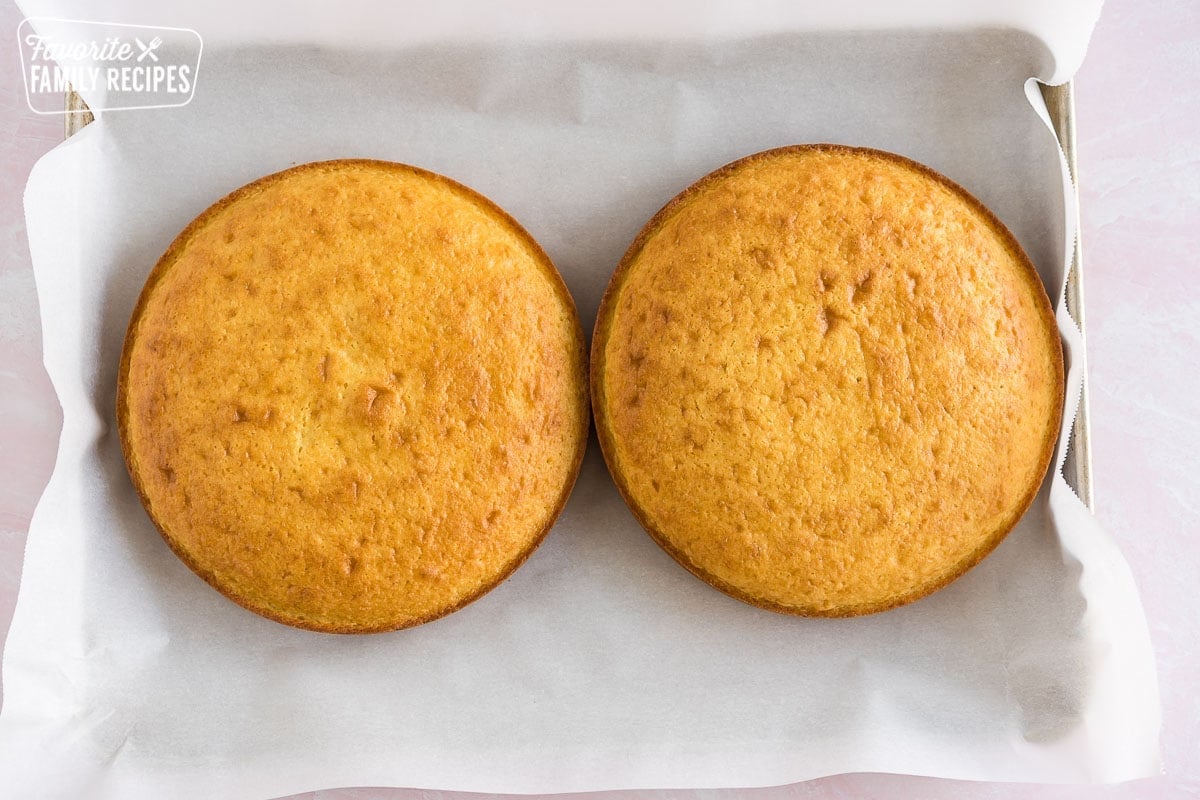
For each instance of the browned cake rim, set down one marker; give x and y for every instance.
(604, 320)
(169, 258)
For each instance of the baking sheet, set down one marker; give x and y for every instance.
(600, 664)
(1077, 466)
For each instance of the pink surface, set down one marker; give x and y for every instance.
(1138, 98)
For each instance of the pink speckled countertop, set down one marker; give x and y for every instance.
(1138, 103)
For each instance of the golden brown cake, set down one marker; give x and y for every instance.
(826, 380)
(353, 396)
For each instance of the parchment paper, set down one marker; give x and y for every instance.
(600, 664)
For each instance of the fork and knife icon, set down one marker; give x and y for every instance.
(147, 49)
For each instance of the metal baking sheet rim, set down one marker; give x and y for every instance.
(1060, 103)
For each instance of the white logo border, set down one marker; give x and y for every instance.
(27, 24)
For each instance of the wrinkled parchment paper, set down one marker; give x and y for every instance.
(601, 664)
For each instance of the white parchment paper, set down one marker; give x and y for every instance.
(600, 664)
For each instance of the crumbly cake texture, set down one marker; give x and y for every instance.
(353, 396)
(827, 380)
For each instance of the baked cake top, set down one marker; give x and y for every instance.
(827, 380)
(353, 396)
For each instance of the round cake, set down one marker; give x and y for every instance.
(353, 396)
(826, 380)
